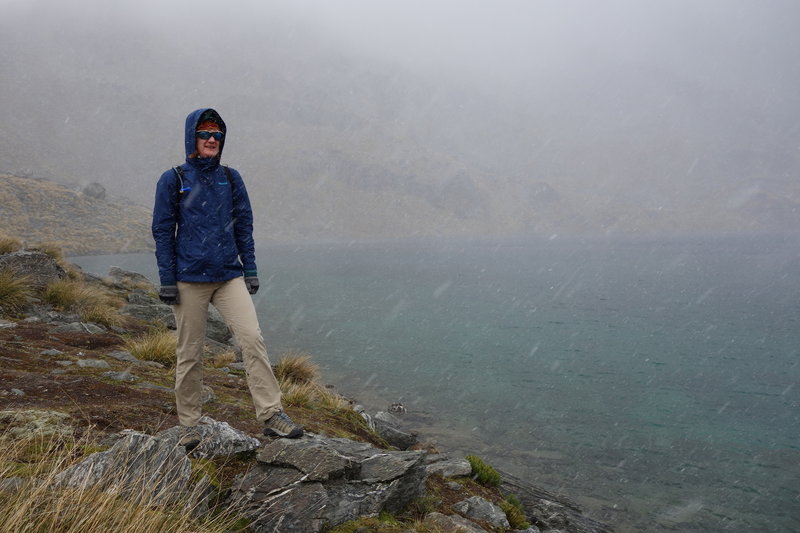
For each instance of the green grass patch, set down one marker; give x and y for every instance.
(482, 472)
(515, 513)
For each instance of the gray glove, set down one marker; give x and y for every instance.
(252, 284)
(169, 295)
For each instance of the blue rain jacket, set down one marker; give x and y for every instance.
(204, 229)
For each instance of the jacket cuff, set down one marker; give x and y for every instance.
(251, 273)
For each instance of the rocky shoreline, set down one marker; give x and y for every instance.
(309, 484)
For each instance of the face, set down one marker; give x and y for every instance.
(207, 147)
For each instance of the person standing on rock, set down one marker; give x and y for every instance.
(203, 229)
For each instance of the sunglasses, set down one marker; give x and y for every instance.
(203, 134)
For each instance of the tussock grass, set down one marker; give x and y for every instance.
(9, 244)
(482, 472)
(298, 377)
(53, 249)
(297, 394)
(156, 345)
(296, 367)
(39, 503)
(223, 359)
(14, 292)
(91, 303)
(515, 513)
(312, 394)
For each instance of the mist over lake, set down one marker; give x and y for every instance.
(652, 380)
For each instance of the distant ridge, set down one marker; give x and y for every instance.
(37, 211)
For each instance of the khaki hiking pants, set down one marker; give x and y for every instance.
(235, 305)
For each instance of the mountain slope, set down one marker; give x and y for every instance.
(38, 211)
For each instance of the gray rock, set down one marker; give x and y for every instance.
(94, 190)
(141, 297)
(141, 468)
(58, 371)
(451, 523)
(126, 279)
(121, 376)
(92, 363)
(38, 267)
(154, 470)
(152, 312)
(216, 329)
(151, 309)
(478, 508)
(64, 363)
(51, 351)
(122, 355)
(17, 392)
(153, 386)
(358, 408)
(446, 465)
(386, 425)
(208, 395)
(10, 485)
(5, 324)
(302, 484)
(218, 439)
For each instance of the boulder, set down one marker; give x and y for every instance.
(38, 267)
(477, 508)
(154, 470)
(94, 190)
(217, 439)
(149, 308)
(386, 425)
(126, 279)
(139, 467)
(313, 482)
(446, 465)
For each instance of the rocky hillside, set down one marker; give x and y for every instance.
(77, 384)
(80, 222)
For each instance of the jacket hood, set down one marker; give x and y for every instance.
(193, 119)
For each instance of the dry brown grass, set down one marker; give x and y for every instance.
(38, 504)
(91, 302)
(296, 367)
(156, 345)
(53, 249)
(15, 292)
(9, 244)
(298, 377)
(223, 359)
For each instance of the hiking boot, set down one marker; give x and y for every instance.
(280, 425)
(190, 438)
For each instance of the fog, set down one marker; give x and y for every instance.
(362, 119)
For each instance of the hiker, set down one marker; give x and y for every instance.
(203, 229)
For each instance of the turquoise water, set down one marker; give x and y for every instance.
(654, 381)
